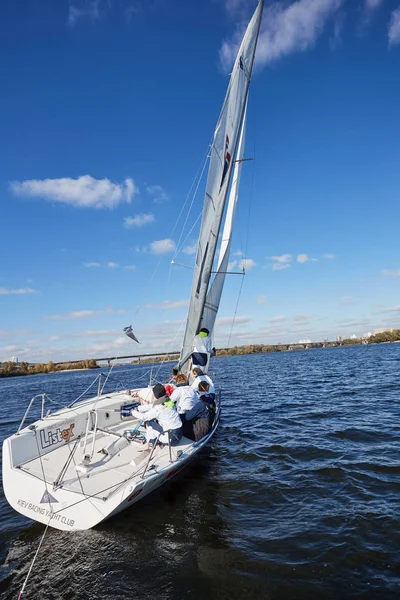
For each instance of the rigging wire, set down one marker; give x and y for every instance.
(191, 204)
(166, 358)
(20, 596)
(197, 178)
(236, 309)
(201, 169)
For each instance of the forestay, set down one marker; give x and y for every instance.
(223, 152)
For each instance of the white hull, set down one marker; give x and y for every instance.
(40, 477)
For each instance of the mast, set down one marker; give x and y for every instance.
(223, 151)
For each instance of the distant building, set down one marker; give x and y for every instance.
(366, 336)
(304, 342)
(339, 338)
(382, 330)
(14, 359)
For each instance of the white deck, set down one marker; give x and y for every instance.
(105, 474)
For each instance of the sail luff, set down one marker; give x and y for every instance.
(224, 148)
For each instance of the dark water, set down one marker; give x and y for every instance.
(297, 497)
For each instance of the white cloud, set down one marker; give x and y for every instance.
(158, 193)
(329, 256)
(85, 191)
(110, 265)
(138, 248)
(303, 258)
(94, 333)
(338, 26)
(10, 349)
(18, 291)
(162, 246)
(232, 265)
(167, 305)
(391, 272)
(283, 258)
(346, 300)
(261, 299)
(372, 4)
(14, 332)
(281, 262)
(235, 6)
(223, 321)
(394, 28)
(136, 9)
(138, 220)
(190, 249)
(88, 9)
(354, 324)
(237, 253)
(279, 319)
(392, 309)
(280, 266)
(85, 314)
(301, 319)
(285, 29)
(246, 264)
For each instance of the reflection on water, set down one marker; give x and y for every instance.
(297, 497)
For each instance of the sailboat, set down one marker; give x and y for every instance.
(75, 467)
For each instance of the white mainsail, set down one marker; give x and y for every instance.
(223, 152)
(213, 298)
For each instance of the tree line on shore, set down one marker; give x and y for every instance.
(384, 337)
(11, 369)
(379, 338)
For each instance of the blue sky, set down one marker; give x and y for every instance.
(107, 109)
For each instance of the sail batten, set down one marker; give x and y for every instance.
(223, 151)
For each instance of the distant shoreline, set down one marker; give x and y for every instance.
(69, 370)
(19, 369)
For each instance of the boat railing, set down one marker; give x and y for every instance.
(154, 447)
(91, 427)
(151, 455)
(42, 396)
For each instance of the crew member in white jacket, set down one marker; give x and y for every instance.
(184, 395)
(160, 419)
(198, 376)
(202, 349)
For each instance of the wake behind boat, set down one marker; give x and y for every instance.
(80, 465)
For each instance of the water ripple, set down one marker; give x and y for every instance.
(297, 498)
